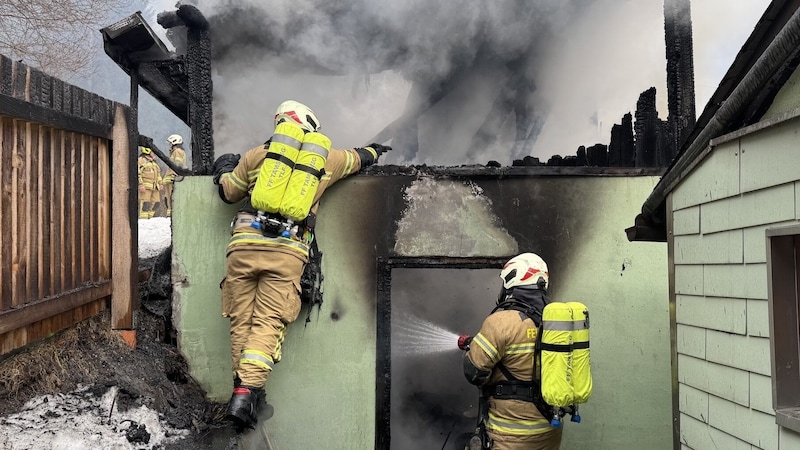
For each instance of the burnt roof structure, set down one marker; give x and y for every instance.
(133, 45)
(766, 60)
(181, 82)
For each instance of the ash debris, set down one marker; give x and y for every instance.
(92, 362)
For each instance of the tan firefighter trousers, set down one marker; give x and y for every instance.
(261, 295)
(545, 441)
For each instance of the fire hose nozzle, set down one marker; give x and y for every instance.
(464, 341)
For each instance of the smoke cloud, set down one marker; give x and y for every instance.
(444, 83)
(432, 404)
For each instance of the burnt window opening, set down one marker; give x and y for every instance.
(422, 398)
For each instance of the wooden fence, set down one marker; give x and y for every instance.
(60, 213)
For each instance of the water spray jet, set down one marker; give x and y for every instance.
(416, 336)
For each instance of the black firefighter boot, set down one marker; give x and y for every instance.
(244, 406)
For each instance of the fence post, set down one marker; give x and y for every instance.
(124, 254)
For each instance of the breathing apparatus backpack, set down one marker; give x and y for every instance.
(563, 351)
(289, 177)
(306, 175)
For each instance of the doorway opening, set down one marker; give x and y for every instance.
(424, 304)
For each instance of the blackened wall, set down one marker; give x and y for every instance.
(328, 376)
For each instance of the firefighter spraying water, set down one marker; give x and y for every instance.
(521, 404)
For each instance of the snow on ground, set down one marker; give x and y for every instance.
(80, 420)
(154, 236)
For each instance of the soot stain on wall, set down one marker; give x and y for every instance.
(445, 217)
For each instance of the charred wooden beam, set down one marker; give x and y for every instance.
(200, 85)
(680, 72)
(479, 171)
(621, 149)
(597, 155)
(644, 130)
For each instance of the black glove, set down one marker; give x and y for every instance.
(366, 156)
(224, 164)
(379, 149)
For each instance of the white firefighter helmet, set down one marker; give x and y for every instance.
(297, 113)
(175, 139)
(524, 270)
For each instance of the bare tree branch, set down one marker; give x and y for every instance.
(57, 37)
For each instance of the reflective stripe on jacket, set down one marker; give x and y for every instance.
(239, 183)
(149, 173)
(508, 337)
(178, 156)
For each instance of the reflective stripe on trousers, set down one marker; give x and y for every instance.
(261, 295)
(257, 358)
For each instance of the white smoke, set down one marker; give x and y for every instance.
(355, 63)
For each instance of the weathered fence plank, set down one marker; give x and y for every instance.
(53, 306)
(124, 271)
(46, 209)
(6, 218)
(20, 215)
(33, 203)
(56, 190)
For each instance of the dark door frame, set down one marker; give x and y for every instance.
(383, 363)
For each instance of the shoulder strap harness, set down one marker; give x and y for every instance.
(513, 388)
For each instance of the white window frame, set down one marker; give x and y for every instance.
(783, 281)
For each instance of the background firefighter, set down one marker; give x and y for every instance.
(149, 183)
(500, 356)
(178, 155)
(261, 289)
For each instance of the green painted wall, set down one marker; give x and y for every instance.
(624, 285)
(744, 186)
(323, 390)
(200, 228)
(787, 99)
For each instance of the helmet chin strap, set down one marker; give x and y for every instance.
(501, 297)
(505, 292)
(522, 302)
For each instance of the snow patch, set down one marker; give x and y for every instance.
(80, 420)
(155, 235)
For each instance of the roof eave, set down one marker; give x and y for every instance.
(769, 56)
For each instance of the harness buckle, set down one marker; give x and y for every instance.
(272, 225)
